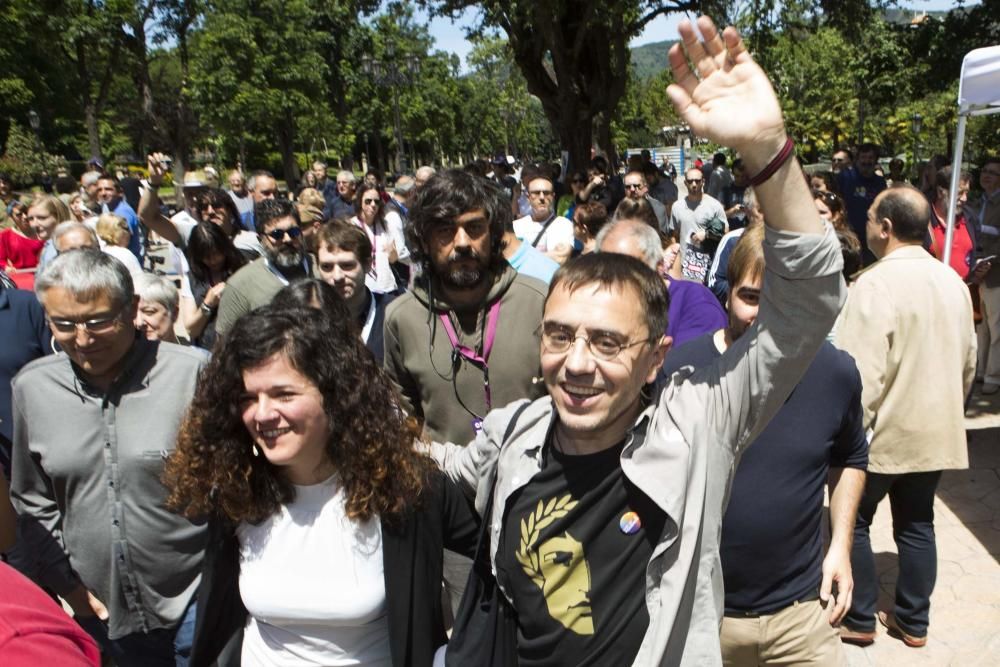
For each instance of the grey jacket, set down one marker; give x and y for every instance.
(697, 429)
(86, 484)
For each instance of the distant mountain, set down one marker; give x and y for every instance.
(649, 60)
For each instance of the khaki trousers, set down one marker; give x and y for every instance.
(989, 335)
(799, 634)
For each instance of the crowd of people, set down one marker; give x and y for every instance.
(474, 418)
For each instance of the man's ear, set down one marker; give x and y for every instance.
(885, 228)
(661, 347)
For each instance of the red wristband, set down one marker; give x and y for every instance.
(774, 165)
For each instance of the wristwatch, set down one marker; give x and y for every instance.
(207, 309)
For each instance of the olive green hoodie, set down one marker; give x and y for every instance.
(419, 360)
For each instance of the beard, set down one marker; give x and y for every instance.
(286, 258)
(458, 274)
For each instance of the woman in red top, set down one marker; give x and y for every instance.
(20, 247)
(963, 242)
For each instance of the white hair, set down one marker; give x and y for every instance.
(151, 287)
(647, 238)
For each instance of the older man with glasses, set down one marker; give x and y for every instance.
(92, 429)
(544, 230)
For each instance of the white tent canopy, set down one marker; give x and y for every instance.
(978, 95)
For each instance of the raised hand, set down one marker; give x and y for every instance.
(156, 163)
(723, 95)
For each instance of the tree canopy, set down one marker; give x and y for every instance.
(275, 83)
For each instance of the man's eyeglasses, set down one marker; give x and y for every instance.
(839, 159)
(540, 193)
(98, 325)
(279, 234)
(603, 345)
(633, 186)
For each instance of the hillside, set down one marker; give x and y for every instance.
(649, 59)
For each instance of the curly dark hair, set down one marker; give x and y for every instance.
(214, 471)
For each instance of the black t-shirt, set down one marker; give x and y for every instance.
(772, 544)
(573, 554)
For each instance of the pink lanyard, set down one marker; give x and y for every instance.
(468, 353)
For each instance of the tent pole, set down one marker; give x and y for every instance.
(956, 171)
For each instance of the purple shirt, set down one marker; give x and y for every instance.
(693, 311)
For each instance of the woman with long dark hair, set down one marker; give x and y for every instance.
(212, 259)
(326, 525)
(390, 257)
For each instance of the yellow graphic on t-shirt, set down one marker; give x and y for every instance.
(558, 566)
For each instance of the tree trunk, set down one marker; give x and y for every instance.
(286, 137)
(93, 132)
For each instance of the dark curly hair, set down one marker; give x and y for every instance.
(445, 197)
(214, 471)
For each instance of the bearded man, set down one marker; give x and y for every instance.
(285, 261)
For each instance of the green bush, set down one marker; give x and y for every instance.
(25, 157)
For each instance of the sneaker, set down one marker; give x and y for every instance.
(856, 637)
(989, 388)
(889, 621)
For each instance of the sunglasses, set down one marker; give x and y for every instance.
(693, 180)
(368, 202)
(279, 234)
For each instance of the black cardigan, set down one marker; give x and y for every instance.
(412, 559)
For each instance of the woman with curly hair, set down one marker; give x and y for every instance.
(326, 526)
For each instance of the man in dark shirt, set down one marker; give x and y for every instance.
(779, 606)
(344, 257)
(859, 185)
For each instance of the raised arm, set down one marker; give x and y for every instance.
(724, 96)
(149, 204)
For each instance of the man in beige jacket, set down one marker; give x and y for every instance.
(908, 324)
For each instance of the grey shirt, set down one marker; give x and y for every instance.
(696, 430)
(86, 484)
(688, 216)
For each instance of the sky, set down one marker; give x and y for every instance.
(450, 36)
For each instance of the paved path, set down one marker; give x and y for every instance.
(965, 607)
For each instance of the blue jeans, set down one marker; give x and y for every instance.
(157, 648)
(911, 497)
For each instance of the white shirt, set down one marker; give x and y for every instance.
(559, 232)
(125, 256)
(313, 584)
(381, 278)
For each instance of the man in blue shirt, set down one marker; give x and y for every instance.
(109, 196)
(859, 185)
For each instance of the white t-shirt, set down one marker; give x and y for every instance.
(313, 584)
(381, 278)
(559, 232)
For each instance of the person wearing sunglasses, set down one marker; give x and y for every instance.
(285, 261)
(390, 260)
(203, 204)
(541, 228)
(698, 221)
(93, 427)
